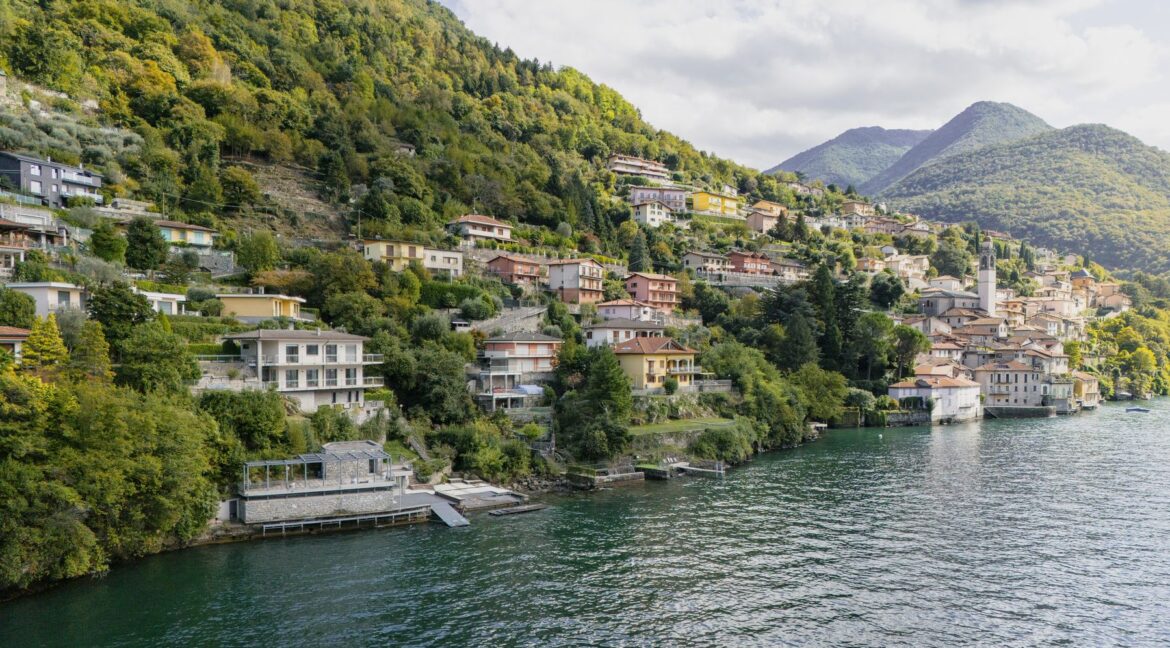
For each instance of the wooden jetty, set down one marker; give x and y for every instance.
(516, 510)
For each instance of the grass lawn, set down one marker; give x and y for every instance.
(681, 425)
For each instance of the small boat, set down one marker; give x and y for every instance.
(1137, 409)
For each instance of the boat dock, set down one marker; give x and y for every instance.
(448, 515)
(516, 510)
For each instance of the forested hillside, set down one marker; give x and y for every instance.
(982, 124)
(1088, 189)
(338, 88)
(854, 156)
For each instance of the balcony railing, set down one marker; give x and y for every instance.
(373, 357)
(373, 381)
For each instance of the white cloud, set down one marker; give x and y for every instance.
(760, 81)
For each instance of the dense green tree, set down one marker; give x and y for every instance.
(43, 351)
(822, 392)
(107, 244)
(155, 360)
(255, 417)
(640, 254)
(257, 252)
(800, 347)
(90, 357)
(240, 189)
(907, 342)
(872, 341)
(17, 309)
(886, 289)
(118, 309)
(146, 249)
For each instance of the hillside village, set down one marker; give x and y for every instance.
(241, 285)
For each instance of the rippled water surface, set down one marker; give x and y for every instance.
(1002, 533)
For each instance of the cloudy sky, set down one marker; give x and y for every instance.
(760, 81)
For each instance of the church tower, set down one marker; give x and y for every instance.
(987, 278)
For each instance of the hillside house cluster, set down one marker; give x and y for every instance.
(744, 268)
(1009, 352)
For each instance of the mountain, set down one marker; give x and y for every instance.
(1088, 189)
(982, 124)
(854, 156)
(396, 98)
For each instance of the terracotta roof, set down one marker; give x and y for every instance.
(573, 262)
(749, 254)
(523, 336)
(947, 346)
(1084, 375)
(651, 275)
(515, 259)
(7, 224)
(935, 382)
(624, 302)
(1010, 365)
(647, 345)
(626, 323)
(13, 332)
(478, 218)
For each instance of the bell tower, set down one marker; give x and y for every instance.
(987, 278)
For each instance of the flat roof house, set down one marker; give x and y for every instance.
(706, 262)
(511, 368)
(708, 202)
(52, 296)
(636, 166)
(166, 303)
(257, 307)
(54, 183)
(615, 331)
(315, 368)
(754, 263)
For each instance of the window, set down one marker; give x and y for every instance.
(292, 353)
(62, 299)
(331, 353)
(350, 377)
(292, 378)
(351, 353)
(311, 377)
(34, 169)
(312, 349)
(55, 173)
(331, 378)
(34, 186)
(55, 189)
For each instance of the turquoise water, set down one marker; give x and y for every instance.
(1026, 532)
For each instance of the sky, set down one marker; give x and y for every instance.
(760, 81)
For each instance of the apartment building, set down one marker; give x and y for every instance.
(399, 255)
(577, 281)
(754, 263)
(54, 183)
(658, 290)
(52, 296)
(512, 367)
(615, 331)
(517, 270)
(653, 213)
(673, 197)
(626, 309)
(706, 262)
(257, 307)
(636, 166)
(315, 368)
(477, 227)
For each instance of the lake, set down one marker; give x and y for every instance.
(1041, 531)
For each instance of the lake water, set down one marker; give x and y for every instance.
(1052, 531)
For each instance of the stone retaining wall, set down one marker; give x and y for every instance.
(316, 506)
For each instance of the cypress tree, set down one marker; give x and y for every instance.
(44, 348)
(640, 254)
(91, 357)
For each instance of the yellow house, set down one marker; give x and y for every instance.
(395, 254)
(713, 203)
(258, 307)
(649, 361)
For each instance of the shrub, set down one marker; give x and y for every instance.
(670, 386)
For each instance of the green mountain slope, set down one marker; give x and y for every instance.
(1089, 189)
(337, 88)
(982, 124)
(854, 156)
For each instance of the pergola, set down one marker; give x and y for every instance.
(321, 459)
